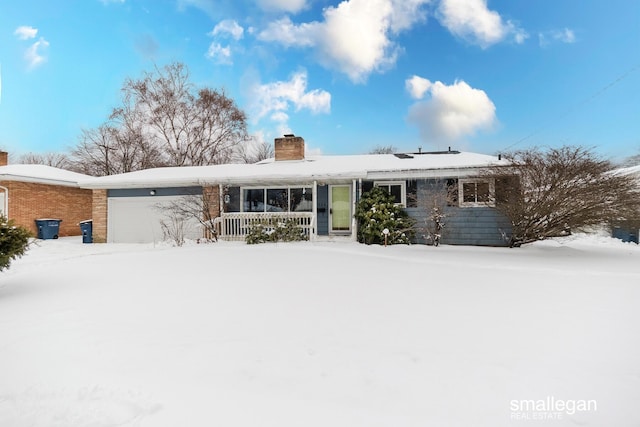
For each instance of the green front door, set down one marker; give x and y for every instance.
(340, 209)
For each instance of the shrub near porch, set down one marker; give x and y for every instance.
(375, 212)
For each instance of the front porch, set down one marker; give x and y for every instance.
(320, 210)
(235, 226)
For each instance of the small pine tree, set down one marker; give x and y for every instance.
(376, 211)
(14, 241)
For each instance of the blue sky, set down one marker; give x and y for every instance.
(478, 75)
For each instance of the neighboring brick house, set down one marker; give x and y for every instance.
(30, 192)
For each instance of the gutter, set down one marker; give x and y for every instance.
(35, 180)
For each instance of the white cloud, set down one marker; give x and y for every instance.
(275, 99)
(452, 112)
(417, 86)
(355, 36)
(217, 52)
(291, 6)
(280, 116)
(35, 53)
(565, 35)
(220, 54)
(228, 27)
(472, 20)
(287, 33)
(25, 32)
(404, 14)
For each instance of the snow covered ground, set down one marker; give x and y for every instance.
(321, 334)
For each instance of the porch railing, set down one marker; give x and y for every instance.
(235, 225)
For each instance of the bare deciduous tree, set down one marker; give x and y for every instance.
(57, 160)
(95, 152)
(173, 225)
(191, 128)
(550, 193)
(433, 199)
(254, 151)
(112, 148)
(202, 207)
(164, 120)
(383, 149)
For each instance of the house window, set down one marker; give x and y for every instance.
(476, 192)
(452, 192)
(277, 199)
(412, 194)
(398, 189)
(253, 200)
(300, 199)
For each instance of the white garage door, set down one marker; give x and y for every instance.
(137, 219)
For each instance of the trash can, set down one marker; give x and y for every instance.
(87, 231)
(48, 228)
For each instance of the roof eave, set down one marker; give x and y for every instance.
(36, 180)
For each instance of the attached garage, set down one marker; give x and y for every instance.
(135, 216)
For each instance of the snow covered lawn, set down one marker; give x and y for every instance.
(322, 334)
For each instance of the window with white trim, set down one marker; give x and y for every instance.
(398, 189)
(277, 199)
(474, 192)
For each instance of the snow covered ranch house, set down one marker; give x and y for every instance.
(31, 192)
(320, 193)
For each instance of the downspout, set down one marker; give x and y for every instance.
(5, 208)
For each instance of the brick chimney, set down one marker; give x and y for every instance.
(4, 158)
(290, 147)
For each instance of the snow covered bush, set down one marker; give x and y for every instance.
(376, 211)
(174, 228)
(258, 233)
(555, 192)
(281, 231)
(14, 242)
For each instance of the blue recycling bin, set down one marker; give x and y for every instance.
(48, 228)
(87, 231)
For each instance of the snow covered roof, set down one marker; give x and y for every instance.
(41, 174)
(314, 168)
(633, 170)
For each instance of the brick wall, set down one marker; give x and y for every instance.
(211, 200)
(211, 197)
(29, 201)
(289, 148)
(99, 216)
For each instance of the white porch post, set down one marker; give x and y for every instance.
(220, 199)
(223, 231)
(354, 232)
(314, 210)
